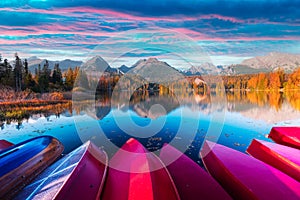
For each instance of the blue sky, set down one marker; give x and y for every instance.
(227, 31)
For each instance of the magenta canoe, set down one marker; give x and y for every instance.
(78, 175)
(284, 158)
(245, 177)
(5, 144)
(289, 136)
(135, 173)
(191, 180)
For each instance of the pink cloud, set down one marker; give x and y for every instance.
(81, 30)
(13, 42)
(200, 36)
(52, 29)
(78, 11)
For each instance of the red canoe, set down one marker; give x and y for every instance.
(190, 179)
(289, 136)
(5, 144)
(135, 173)
(78, 175)
(245, 177)
(284, 158)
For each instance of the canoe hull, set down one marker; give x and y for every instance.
(78, 175)
(288, 136)
(284, 158)
(245, 177)
(192, 182)
(18, 176)
(87, 179)
(135, 173)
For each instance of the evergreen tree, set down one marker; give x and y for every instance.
(56, 75)
(18, 73)
(39, 69)
(9, 76)
(30, 83)
(26, 67)
(44, 78)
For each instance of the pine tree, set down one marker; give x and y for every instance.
(18, 73)
(26, 67)
(44, 78)
(9, 76)
(56, 75)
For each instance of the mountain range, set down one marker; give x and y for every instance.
(273, 61)
(152, 67)
(98, 64)
(34, 61)
(205, 68)
(154, 70)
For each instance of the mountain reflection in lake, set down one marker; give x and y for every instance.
(158, 117)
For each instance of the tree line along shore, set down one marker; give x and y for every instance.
(17, 77)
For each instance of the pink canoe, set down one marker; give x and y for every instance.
(78, 175)
(245, 177)
(5, 144)
(284, 158)
(190, 179)
(134, 173)
(289, 136)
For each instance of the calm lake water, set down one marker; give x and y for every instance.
(182, 119)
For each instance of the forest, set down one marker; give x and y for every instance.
(18, 77)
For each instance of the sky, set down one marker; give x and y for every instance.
(226, 31)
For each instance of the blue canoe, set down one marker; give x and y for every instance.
(21, 163)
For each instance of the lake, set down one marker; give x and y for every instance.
(183, 119)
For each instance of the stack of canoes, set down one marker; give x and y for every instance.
(271, 171)
(245, 177)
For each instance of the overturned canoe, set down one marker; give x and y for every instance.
(245, 177)
(78, 175)
(191, 180)
(135, 173)
(284, 158)
(21, 163)
(289, 136)
(5, 144)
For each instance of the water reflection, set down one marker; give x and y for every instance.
(155, 104)
(271, 99)
(20, 111)
(249, 112)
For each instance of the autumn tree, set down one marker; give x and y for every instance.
(252, 83)
(69, 79)
(294, 80)
(262, 81)
(275, 80)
